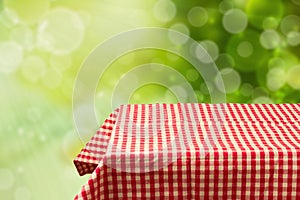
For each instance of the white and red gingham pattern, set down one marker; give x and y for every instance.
(256, 156)
(149, 137)
(94, 151)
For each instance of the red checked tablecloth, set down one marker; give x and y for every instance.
(194, 151)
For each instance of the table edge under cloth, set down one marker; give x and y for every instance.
(90, 156)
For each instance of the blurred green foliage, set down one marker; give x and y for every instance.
(255, 45)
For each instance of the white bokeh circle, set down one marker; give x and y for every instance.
(11, 56)
(235, 21)
(60, 32)
(197, 16)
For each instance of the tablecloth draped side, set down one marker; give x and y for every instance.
(218, 176)
(94, 188)
(170, 182)
(255, 156)
(91, 155)
(93, 152)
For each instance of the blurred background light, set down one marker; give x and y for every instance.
(276, 78)
(43, 43)
(9, 17)
(6, 179)
(180, 28)
(197, 16)
(11, 55)
(235, 21)
(209, 51)
(246, 89)
(164, 10)
(245, 49)
(258, 10)
(293, 38)
(60, 63)
(290, 23)
(270, 39)
(28, 11)
(230, 78)
(225, 5)
(24, 36)
(293, 77)
(262, 100)
(225, 60)
(270, 23)
(297, 2)
(22, 193)
(33, 68)
(60, 32)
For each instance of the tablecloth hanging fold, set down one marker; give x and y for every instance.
(90, 156)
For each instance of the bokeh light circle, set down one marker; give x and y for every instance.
(164, 10)
(276, 78)
(6, 179)
(270, 39)
(293, 77)
(246, 89)
(177, 39)
(225, 5)
(260, 92)
(231, 79)
(245, 49)
(293, 38)
(192, 75)
(11, 55)
(235, 21)
(198, 16)
(290, 23)
(208, 52)
(60, 32)
(225, 60)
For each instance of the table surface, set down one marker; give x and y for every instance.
(194, 150)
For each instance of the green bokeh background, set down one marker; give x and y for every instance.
(255, 45)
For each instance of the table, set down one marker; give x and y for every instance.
(194, 151)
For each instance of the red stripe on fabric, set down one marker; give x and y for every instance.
(293, 110)
(122, 115)
(283, 108)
